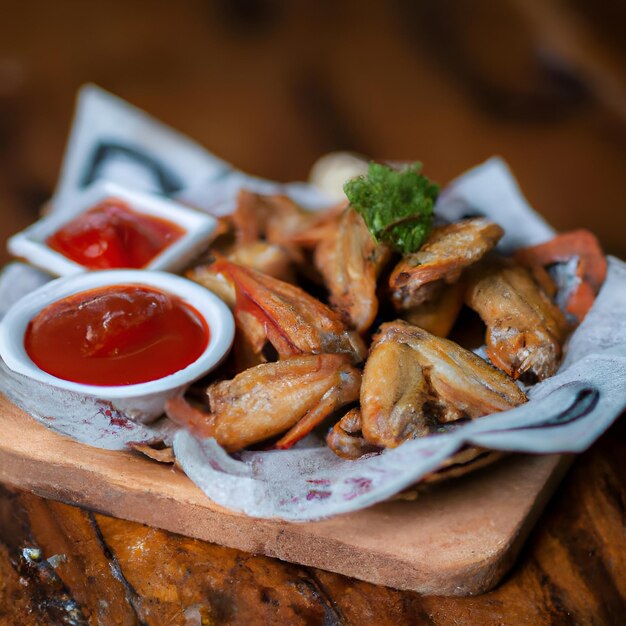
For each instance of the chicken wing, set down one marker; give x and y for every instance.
(438, 315)
(275, 218)
(346, 440)
(291, 395)
(350, 262)
(393, 395)
(414, 380)
(259, 255)
(285, 315)
(449, 249)
(525, 329)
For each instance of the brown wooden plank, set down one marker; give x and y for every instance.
(460, 549)
(561, 579)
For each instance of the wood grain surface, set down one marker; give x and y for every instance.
(271, 86)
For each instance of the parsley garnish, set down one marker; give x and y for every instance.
(397, 206)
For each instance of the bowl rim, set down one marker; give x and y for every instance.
(213, 310)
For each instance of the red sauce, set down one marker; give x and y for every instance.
(112, 235)
(119, 335)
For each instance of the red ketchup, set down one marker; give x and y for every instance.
(120, 335)
(111, 235)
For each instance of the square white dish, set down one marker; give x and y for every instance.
(30, 244)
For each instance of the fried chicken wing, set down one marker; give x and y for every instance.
(275, 218)
(269, 258)
(259, 255)
(438, 315)
(458, 376)
(206, 276)
(255, 213)
(292, 395)
(414, 380)
(350, 262)
(393, 394)
(346, 440)
(525, 329)
(285, 315)
(449, 249)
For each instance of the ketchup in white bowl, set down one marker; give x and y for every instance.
(107, 226)
(111, 235)
(117, 335)
(132, 338)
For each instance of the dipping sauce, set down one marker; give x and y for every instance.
(120, 335)
(111, 235)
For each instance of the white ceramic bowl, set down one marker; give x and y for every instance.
(30, 244)
(143, 401)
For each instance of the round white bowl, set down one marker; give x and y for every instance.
(141, 402)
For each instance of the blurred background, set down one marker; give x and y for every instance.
(272, 85)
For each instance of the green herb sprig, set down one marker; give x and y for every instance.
(397, 205)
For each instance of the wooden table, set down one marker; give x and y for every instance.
(270, 86)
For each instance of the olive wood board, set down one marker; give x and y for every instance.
(458, 538)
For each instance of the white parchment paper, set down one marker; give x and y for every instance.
(566, 413)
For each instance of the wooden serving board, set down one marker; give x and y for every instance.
(457, 539)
